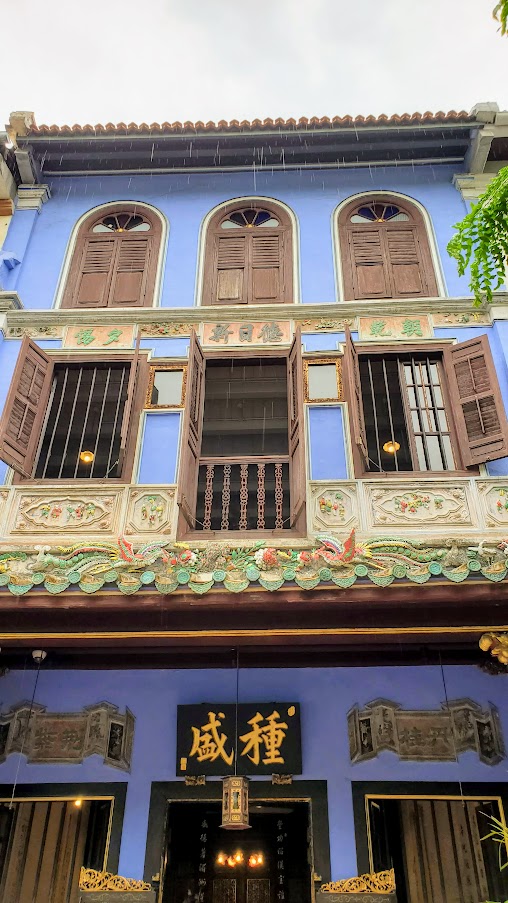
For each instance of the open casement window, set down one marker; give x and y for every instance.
(114, 262)
(71, 418)
(242, 460)
(423, 409)
(385, 251)
(248, 257)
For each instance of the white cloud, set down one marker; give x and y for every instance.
(129, 60)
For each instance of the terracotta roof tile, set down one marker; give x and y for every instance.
(245, 125)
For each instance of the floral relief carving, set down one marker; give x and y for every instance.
(334, 506)
(494, 497)
(394, 505)
(53, 514)
(150, 512)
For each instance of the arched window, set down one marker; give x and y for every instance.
(248, 256)
(385, 251)
(114, 262)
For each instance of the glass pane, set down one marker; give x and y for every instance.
(272, 223)
(412, 397)
(438, 396)
(441, 416)
(416, 421)
(448, 453)
(229, 224)
(408, 374)
(167, 387)
(420, 451)
(434, 451)
(322, 380)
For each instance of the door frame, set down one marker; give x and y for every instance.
(364, 790)
(116, 792)
(163, 793)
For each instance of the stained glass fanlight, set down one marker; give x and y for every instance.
(378, 212)
(122, 222)
(250, 218)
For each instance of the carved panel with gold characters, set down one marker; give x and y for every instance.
(376, 882)
(425, 736)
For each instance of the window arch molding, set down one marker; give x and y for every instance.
(385, 196)
(256, 201)
(103, 210)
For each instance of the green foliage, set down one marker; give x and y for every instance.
(499, 834)
(500, 13)
(481, 241)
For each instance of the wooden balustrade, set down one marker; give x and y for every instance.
(243, 494)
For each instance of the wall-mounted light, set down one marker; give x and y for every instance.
(78, 803)
(86, 457)
(391, 446)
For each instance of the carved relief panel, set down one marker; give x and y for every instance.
(150, 510)
(422, 504)
(53, 511)
(334, 506)
(494, 501)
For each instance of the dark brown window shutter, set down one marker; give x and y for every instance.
(267, 275)
(130, 272)
(94, 278)
(230, 273)
(297, 475)
(353, 386)
(369, 267)
(25, 408)
(406, 266)
(192, 429)
(477, 404)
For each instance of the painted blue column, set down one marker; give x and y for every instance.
(29, 205)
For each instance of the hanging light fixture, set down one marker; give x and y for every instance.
(235, 788)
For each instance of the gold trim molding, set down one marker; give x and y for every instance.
(497, 645)
(92, 880)
(376, 882)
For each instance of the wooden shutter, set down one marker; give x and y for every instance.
(127, 417)
(266, 268)
(477, 404)
(130, 274)
(93, 279)
(351, 377)
(406, 266)
(297, 474)
(192, 428)
(25, 408)
(368, 264)
(230, 283)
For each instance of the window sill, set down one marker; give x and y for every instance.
(418, 474)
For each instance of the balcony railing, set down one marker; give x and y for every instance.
(239, 494)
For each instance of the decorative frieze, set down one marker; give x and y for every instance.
(150, 511)
(334, 506)
(328, 324)
(375, 882)
(417, 505)
(382, 329)
(77, 511)
(68, 737)
(166, 330)
(110, 336)
(425, 736)
(270, 332)
(466, 318)
(91, 879)
(35, 332)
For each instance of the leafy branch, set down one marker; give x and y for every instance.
(500, 13)
(481, 242)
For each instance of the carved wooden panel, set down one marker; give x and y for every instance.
(150, 510)
(425, 736)
(334, 506)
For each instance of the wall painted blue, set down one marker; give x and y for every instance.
(159, 453)
(325, 696)
(186, 200)
(167, 347)
(326, 445)
(321, 341)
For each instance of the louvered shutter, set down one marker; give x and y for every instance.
(130, 274)
(351, 376)
(230, 283)
(266, 266)
(368, 264)
(192, 429)
(477, 404)
(297, 475)
(406, 266)
(25, 409)
(94, 276)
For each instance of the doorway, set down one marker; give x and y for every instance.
(437, 848)
(269, 863)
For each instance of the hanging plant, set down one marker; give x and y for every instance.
(481, 242)
(500, 13)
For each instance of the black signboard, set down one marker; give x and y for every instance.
(269, 739)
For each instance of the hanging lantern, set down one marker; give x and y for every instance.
(235, 803)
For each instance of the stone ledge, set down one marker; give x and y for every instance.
(122, 896)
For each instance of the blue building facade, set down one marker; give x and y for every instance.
(254, 451)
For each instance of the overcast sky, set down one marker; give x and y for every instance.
(156, 60)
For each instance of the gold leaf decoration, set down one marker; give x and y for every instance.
(90, 879)
(377, 882)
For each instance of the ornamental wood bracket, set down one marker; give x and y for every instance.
(92, 880)
(376, 882)
(497, 645)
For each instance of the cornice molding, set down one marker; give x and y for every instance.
(345, 310)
